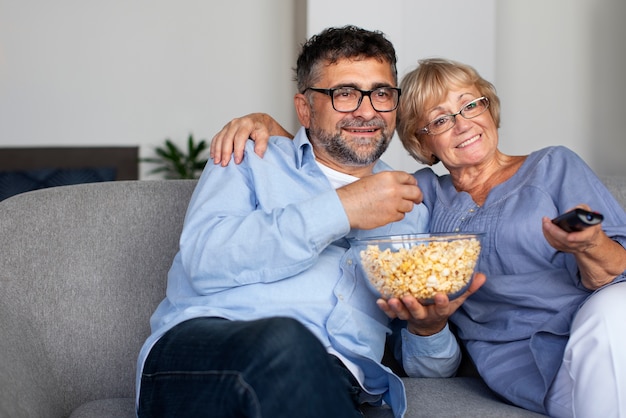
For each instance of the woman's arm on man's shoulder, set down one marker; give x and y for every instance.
(231, 140)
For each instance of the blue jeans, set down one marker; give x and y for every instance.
(272, 368)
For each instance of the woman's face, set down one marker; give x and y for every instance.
(470, 141)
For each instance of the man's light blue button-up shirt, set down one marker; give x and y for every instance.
(267, 238)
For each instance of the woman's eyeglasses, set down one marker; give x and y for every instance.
(445, 123)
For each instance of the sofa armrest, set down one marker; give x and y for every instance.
(28, 390)
(82, 269)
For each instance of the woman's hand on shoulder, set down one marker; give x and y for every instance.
(231, 140)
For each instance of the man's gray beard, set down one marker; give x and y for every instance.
(337, 147)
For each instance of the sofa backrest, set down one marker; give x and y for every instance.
(617, 186)
(78, 262)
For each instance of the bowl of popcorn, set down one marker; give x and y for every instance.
(420, 265)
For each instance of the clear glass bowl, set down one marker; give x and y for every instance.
(421, 265)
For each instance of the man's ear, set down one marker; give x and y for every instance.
(303, 109)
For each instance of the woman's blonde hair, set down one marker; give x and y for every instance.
(425, 87)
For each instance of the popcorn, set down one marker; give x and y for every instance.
(427, 268)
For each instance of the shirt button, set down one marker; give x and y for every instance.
(349, 261)
(457, 229)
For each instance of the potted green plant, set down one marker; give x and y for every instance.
(174, 163)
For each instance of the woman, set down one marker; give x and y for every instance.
(546, 331)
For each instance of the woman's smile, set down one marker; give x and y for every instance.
(469, 141)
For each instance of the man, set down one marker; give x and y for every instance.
(264, 316)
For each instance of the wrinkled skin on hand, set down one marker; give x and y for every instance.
(599, 258)
(231, 140)
(430, 319)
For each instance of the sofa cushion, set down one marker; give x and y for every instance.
(106, 408)
(457, 397)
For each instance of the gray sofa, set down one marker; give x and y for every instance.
(83, 267)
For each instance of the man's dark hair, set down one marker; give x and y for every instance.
(334, 44)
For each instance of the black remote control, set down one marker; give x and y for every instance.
(577, 220)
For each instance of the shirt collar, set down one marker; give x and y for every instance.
(305, 149)
(305, 153)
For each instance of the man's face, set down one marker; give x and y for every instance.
(358, 138)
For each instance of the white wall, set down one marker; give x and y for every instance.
(558, 65)
(560, 74)
(133, 72)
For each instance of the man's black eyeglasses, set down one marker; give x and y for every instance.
(348, 99)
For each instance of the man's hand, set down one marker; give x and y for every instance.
(379, 199)
(427, 320)
(231, 140)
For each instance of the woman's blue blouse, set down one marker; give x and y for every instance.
(516, 326)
